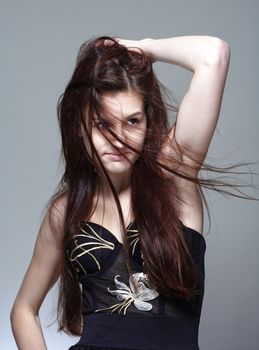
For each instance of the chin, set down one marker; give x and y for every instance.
(118, 169)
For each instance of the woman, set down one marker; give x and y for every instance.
(123, 231)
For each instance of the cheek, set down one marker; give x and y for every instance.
(140, 138)
(96, 140)
(99, 141)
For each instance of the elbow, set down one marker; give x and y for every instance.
(218, 53)
(18, 314)
(15, 315)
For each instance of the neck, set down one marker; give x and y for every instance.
(121, 183)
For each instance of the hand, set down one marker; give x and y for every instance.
(136, 45)
(133, 45)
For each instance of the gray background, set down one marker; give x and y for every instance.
(39, 43)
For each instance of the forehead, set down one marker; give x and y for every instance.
(122, 104)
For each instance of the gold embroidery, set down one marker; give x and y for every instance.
(134, 239)
(124, 305)
(97, 242)
(80, 249)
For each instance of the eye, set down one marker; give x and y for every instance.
(133, 121)
(101, 124)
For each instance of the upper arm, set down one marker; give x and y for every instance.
(198, 113)
(44, 268)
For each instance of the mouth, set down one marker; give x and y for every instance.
(115, 156)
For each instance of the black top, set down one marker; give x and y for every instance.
(117, 318)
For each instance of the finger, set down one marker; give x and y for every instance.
(108, 42)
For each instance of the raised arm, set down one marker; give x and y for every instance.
(41, 274)
(208, 58)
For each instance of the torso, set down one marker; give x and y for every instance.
(191, 212)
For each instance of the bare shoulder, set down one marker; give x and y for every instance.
(52, 226)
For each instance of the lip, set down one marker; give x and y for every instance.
(115, 156)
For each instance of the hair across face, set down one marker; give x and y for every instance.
(118, 133)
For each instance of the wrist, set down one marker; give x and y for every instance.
(146, 47)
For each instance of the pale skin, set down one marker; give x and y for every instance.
(208, 58)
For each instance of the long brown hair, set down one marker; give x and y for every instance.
(112, 68)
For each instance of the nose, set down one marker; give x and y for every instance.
(118, 135)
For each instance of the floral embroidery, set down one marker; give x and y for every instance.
(126, 294)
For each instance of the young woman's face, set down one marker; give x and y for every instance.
(126, 118)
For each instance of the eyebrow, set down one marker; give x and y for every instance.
(135, 113)
(129, 116)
